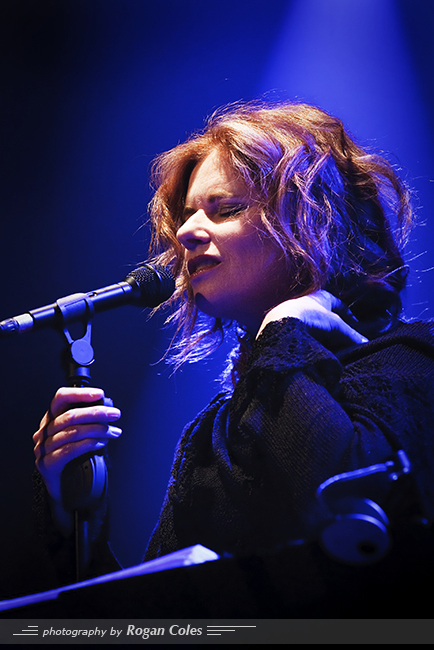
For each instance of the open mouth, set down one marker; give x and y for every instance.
(200, 264)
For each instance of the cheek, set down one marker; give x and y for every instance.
(266, 256)
(252, 254)
(246, 243)
(273, 272)
(260, 271)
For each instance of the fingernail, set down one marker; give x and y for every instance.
(114, 431)
(96, 393)
(113, 413)
(364, 340)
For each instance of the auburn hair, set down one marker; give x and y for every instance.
(340, 214)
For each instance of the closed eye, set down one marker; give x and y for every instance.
(227, 211)
(223, 211)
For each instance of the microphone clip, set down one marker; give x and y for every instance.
(80, 354)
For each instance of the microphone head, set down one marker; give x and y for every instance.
(153, 284)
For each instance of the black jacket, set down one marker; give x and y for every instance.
(246, 471)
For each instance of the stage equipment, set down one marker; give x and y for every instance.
(84, 479)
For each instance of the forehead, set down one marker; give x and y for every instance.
(214, 176)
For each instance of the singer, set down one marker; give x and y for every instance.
(278, 225)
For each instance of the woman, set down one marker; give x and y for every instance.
(276, 223)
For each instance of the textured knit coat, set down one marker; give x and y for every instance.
(246, 471)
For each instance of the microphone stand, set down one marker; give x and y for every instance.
(84, 479)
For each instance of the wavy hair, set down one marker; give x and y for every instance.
(340, 214)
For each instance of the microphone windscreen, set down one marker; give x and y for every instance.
(156, 284)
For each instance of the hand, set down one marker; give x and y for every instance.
(326, 317)
(66, 433)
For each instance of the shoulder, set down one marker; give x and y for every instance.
(420, 332)
(406, 343)
(286, 345)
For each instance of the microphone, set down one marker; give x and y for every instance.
(147, 286)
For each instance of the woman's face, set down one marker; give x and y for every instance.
(236, 270)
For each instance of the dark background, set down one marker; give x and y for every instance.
(91, 91)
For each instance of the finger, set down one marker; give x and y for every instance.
(64, 438)
(339, 324)
(329, 327)
(330, 302)
(65, 398)
(75, 417)
(336, 306)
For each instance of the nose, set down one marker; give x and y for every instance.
(194, 231)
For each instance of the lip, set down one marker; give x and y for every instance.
(201, 264)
